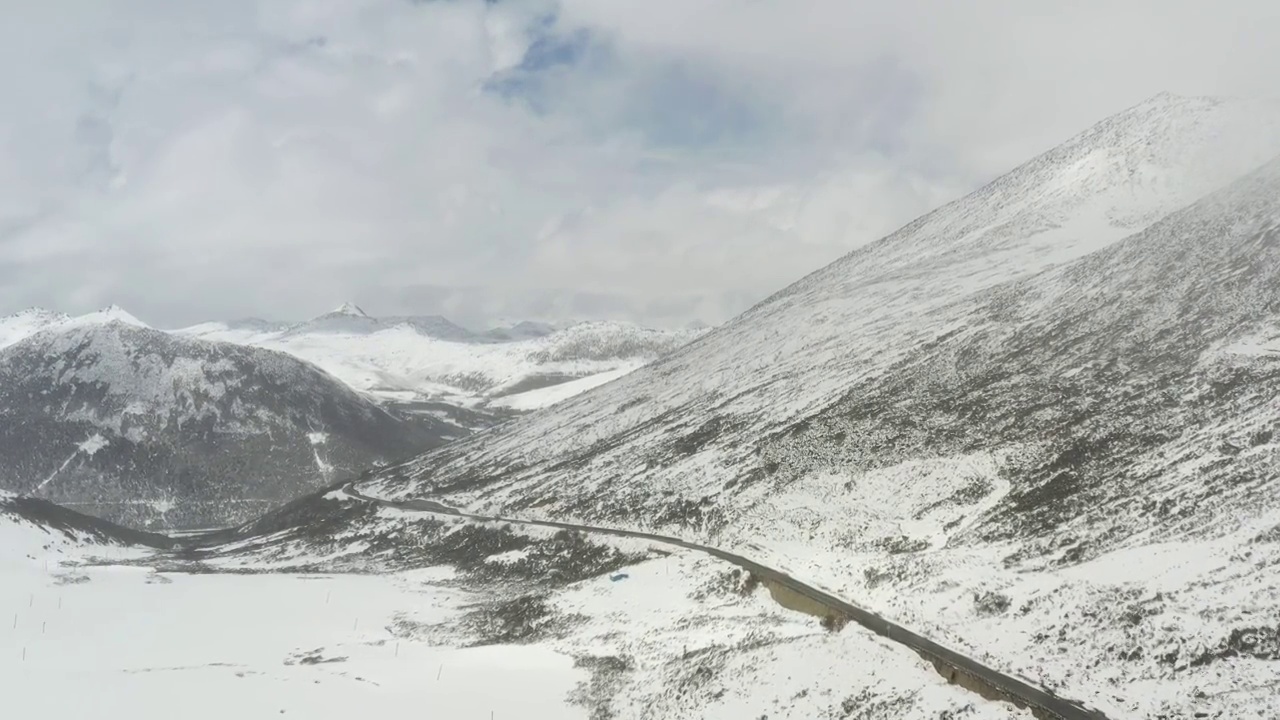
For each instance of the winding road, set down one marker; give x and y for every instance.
(1043, 703)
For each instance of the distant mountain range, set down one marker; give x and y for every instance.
(427, 364)
(214, 424)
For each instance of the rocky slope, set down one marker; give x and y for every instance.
(1036, 423)
(147, 429)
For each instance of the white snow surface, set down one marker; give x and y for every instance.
(95, 443)
(141, 645)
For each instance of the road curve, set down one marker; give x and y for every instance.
(1038, 699)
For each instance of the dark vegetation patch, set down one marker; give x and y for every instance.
(727, 583)
(326, 527)
(1262, 643)
(991, 604)
(875, 577)
(633, 402)
(523, 619)
(608, 675)
(700, 673)
(870, 705)
(901, 544)
(74, 579)
(567, 557)
(684, 513)
(834, 622)
(1269, 536)
(1261, 437)
(313, 657)
(969, 494)
(1135, 613)
(705, 434)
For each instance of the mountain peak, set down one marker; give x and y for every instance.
(38, 312)
(25, 323)
(349, 308)
(109, 314)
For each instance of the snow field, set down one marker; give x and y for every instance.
(121, 641)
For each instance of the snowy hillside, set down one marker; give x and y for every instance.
(136, 425)
(977, 423)
(428, 362)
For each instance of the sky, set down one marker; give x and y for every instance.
(662, 161)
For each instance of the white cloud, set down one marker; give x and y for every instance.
(657, 160)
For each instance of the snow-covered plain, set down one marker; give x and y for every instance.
(113, 641)
(250, 636)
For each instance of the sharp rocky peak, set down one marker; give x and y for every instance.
(349, 308)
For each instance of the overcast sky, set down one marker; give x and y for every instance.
(660, 161)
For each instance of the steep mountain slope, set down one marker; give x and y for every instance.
(1090, 461)
(973, 420)
(850, 322)
(138, 426)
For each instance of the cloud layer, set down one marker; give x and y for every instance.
(660, 161)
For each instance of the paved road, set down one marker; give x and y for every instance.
(1048, 704)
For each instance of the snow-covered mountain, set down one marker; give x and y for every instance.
(1036, 423)
(427, 363)
(132, 424)
(349, 319)
(522, 330)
